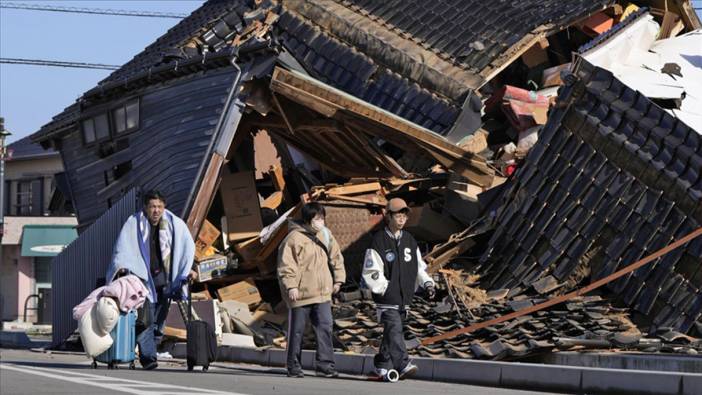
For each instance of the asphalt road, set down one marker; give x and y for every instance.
(27, 372)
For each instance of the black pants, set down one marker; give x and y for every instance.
(322, 322)
(393, 351)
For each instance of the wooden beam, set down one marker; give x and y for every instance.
(373, 202)
(382, 159)
(205, 194)
(560, 299)
(273, 201)
(282, 114)
(276, 174)
(355, 189)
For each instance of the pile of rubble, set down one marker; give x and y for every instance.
(497, 237)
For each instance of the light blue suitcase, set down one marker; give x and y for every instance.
(124, 343)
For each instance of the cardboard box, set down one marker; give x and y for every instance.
(552, 75)
(536, 55)
(243, 291)
(212, 267)
(207, 236)
(241, 205)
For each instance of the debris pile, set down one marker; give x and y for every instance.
(464, 199)
(541, 147)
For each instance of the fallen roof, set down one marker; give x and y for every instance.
(422, 70)
(612, 178)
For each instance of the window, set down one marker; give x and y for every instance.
(42, 270)
(88, 131)
(96, 128)
(122, 119)
(119, 119)
(126, 117)
(28, 199)
(133, 115)
(102, 127)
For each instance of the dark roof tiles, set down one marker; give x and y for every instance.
(628, 199)
(449, 27)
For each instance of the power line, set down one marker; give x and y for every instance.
(84, 10)
(54, 63)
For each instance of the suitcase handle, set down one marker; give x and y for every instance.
(187, 312)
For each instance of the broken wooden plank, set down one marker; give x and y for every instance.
(273, 201)
(376, 201)
(205, 194)
(354, 189)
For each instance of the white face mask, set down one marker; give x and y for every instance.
(317, 224)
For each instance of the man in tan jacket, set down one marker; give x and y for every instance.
(310, 270)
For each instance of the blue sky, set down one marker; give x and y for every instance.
(31, 95)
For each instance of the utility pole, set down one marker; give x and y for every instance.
(3, 135)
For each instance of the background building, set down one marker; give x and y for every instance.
(38, 226)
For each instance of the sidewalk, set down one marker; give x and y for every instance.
(531, 376)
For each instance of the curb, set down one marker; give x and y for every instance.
(533, 376)
(11, 339)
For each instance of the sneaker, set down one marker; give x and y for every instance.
(296, 374)
(151, 365)
(408, 370)
(330, 374)
(380, 372)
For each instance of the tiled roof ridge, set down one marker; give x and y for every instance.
(633, 17)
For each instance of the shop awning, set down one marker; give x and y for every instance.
(46, 240)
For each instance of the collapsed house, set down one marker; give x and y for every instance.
(246, 109)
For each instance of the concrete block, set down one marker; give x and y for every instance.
(426, 368)
(368, 364)
(543, 377)
(308, 361)
(180, 350)
(691, 384)
(630, 381)
(277, 357)
(14, 339)
(250, 355)
(468, 372)
(349, 363)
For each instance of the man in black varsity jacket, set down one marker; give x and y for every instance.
(393, 269)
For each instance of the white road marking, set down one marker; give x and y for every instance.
(125, 385)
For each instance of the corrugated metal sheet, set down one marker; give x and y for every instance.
(75, 272)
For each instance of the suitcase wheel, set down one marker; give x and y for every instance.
(132, 366)
(94, 365)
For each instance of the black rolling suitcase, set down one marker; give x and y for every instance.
(202, 341)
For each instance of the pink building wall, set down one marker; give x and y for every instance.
(16, 283)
